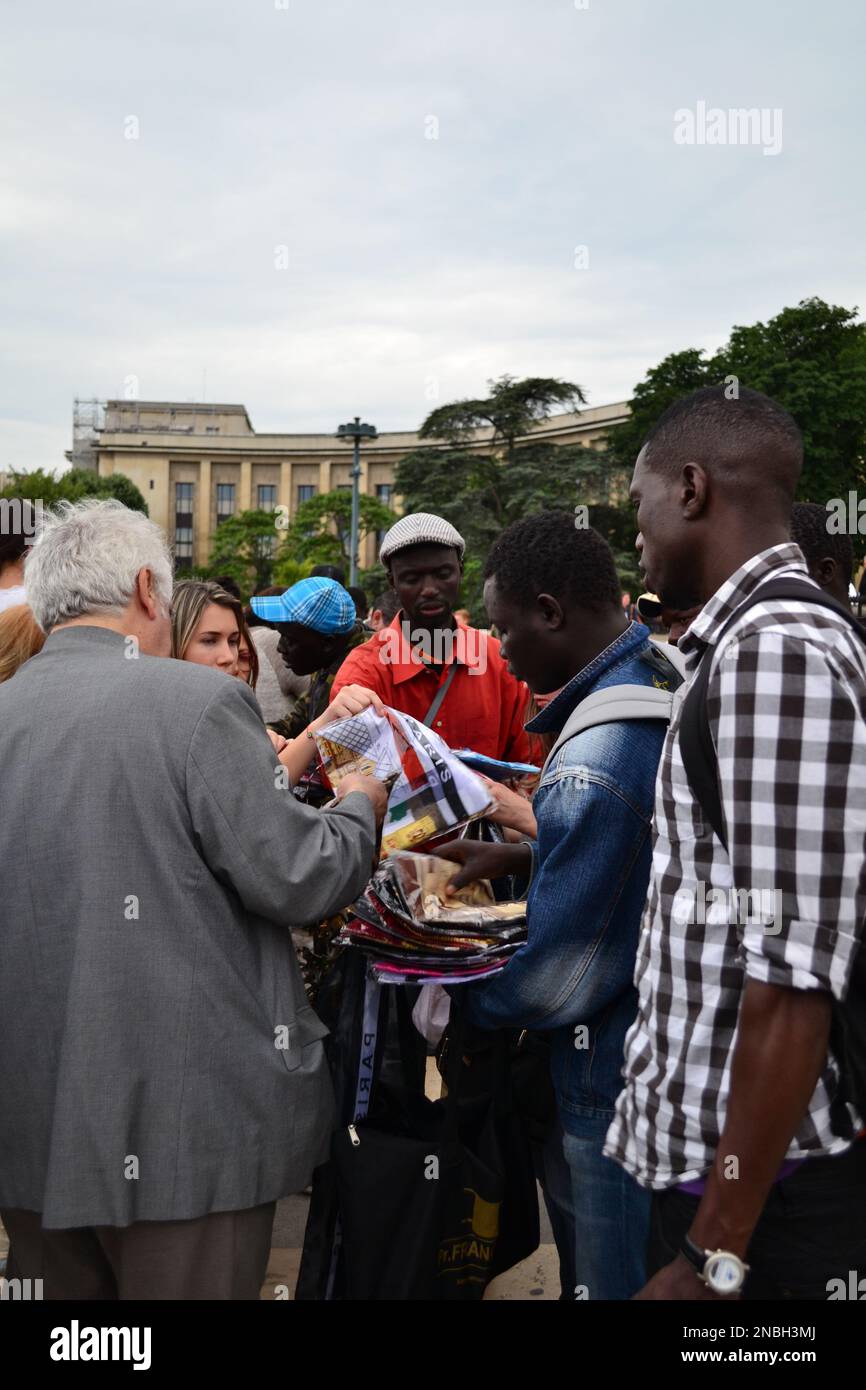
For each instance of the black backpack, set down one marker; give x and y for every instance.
(848, 1031)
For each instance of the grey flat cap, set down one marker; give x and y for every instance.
(420, 528)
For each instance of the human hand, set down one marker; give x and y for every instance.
(678, 1282)
(478, 859)
(510, 809)
(375, 791)
(277, 740)
(352, 699)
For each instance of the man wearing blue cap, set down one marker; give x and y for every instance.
(318, 627)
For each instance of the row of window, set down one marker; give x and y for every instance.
(266, 500)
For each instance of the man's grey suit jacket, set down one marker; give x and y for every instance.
(158, 1058)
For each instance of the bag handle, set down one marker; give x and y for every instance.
(436, 704)
(454, 1063)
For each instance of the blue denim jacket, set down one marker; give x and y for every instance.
(591, 867)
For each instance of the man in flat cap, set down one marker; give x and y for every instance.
(430, 664)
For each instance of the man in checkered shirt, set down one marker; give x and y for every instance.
(728, 1109)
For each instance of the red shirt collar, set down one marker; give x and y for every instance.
(405, 664)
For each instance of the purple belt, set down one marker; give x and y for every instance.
(696, 1186)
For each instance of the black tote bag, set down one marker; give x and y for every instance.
(424, 1186)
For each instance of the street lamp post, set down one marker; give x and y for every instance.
(354, 433)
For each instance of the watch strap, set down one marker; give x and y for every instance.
(696, 1257)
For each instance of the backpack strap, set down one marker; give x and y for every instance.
(608, 706)
(697, 749)
(617, 702)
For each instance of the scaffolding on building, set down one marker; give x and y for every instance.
(88, 418)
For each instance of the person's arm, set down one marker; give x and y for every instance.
(779, 1056)
(293, 724)
(510, 809)
(573, 962)
(478, 859)
(801, 956)
(297, 755)
(286, 862)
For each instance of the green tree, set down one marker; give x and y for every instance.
(675, 376)
(811, 358)
(320, 530)
(511, 409)
(38, 484)
(245, 547)
(72, 486)
(88, 484)
(482, 494)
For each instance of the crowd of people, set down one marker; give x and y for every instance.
(706, 1054)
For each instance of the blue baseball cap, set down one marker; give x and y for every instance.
(320, 604)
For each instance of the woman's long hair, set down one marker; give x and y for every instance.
(247, 639)
(20, 638)
(188, 602)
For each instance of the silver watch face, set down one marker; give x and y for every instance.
(724, 1273)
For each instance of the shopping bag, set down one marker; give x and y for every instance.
(423, 1187)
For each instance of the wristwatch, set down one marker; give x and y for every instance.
(720, 1270)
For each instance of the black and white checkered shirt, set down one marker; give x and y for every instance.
(787, 707)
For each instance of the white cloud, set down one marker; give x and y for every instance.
(407, 257)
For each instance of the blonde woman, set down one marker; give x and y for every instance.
(206, 625)
(20, 638)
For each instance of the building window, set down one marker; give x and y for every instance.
(266, 501)
(384, 493)
(306, 491)
(225, 501)
(211, 429)
(183, 505)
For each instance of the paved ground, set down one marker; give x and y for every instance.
(537, 1277)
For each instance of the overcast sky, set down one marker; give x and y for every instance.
(285, 233)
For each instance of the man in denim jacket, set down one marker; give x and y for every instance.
(553, 593)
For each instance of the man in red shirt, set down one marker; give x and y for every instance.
(426, 654)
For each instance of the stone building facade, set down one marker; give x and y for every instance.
(197, 463)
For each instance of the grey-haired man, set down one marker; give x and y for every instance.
(162, 1078)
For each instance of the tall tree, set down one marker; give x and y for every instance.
(72, 486)
(245, 547)
(511, 409)
(319, 532)
(481, 494)
(675, 376)
(811, 358)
